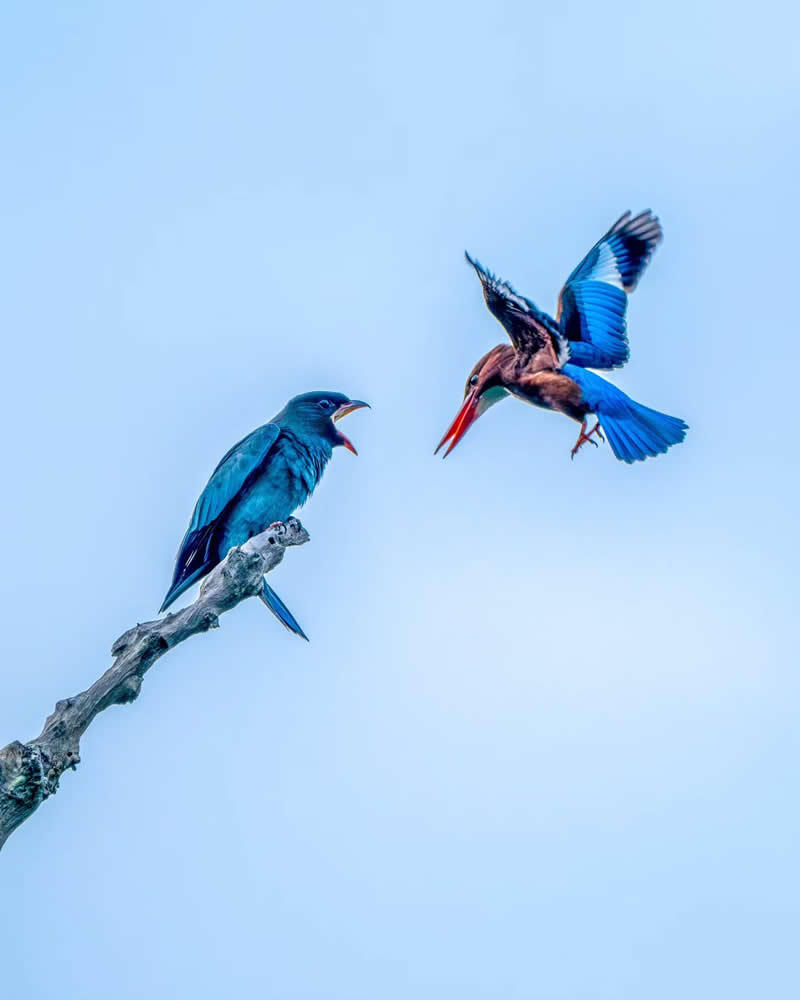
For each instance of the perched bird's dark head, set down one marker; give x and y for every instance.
(484, 388)
(315, 413)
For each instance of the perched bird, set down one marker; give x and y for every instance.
(546, 363)
(262, 479)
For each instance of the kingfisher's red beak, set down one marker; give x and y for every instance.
(470, 410)
(344, 409)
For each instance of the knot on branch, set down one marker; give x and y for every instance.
(22, 774)
(148, 637)
(154, 643)
(128, 690)
(207, 621)
(242, 572)
(124, 641)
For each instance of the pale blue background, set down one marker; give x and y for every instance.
(544, 742)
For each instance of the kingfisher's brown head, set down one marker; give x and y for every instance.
(485, 386)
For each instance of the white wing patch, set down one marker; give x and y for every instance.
(606, 267)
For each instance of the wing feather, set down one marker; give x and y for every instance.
(530, 330)
(231, 474)
(195, 555)
(593, 301)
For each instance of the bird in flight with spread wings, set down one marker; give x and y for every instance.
(546, 363)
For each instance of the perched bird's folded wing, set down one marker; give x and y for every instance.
(593, 302)
(231, 474)
(531, 331)
(226, 482)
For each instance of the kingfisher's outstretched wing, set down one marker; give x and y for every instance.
(593, 302)
(226, 482)
(531, 331)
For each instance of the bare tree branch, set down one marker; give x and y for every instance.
(30, 772)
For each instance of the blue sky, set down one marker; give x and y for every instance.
(543, 743)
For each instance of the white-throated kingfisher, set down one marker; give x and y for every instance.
(547, 360)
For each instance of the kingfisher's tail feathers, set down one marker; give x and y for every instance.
(279, 609)
(641, 432)
(635, 432)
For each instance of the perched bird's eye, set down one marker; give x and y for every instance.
(473, 380)
(325, 404)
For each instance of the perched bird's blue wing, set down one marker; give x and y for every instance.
(227, 480)
(230, 475)
(593, 302)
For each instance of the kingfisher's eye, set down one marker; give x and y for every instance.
(473, 380)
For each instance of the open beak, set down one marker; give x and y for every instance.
(344, 409)
(470, 410)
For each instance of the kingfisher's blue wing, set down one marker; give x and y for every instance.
(529, 329)
(593, 302)
(225, 483)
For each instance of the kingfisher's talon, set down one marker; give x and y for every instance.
(596, 430)
(583, 437)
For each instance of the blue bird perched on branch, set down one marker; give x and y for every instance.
(262, 479)
(546, 363)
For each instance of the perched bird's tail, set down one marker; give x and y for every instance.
(279, 609)
(634, 432)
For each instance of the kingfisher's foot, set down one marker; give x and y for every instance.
(584, 438)
(596, 430)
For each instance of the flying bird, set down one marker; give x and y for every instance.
(547, 360)
(262, 479)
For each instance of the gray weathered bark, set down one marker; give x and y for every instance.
(30, 772)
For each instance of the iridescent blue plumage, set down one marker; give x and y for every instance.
(593, 301)
(279, 609)
(590, 322)
(546, 363)
(262, 479)
(634, 431)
